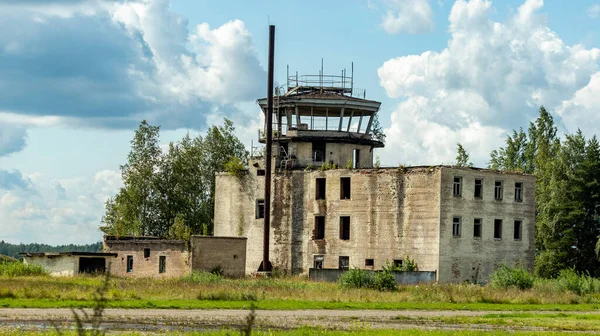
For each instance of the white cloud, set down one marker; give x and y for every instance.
(123, 61)
(492, 77)
(593, 11)
(43, 210)
(407, 16)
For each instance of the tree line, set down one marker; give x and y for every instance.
(171, 193)
(13, 250)
(567, 222)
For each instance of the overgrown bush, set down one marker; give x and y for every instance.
(385, 280)
(357, 278)
(14, 269)
(579, 284)
(408, 265)
(506, 277)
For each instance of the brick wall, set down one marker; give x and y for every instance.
(175, 252)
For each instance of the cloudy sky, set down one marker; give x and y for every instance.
(77, 76)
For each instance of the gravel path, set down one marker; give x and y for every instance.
(161, 319)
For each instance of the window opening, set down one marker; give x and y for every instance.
(344, 188)
(478, 188)
(260, 208)
(129, 264)
(356, 159)
(498, 190)
(162, 264)
(146, 253)
(318, 151)
(518, 229)
(477, 227)
(344, 228)
(397, 263)
(344, 262)
(456, 226)
(318, 262)
(319, 227)
(369, 262)
(518, 191)
(456, 191)
(320, 188)
(498, 228)
(260, 172)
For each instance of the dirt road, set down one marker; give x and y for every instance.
(169, 319)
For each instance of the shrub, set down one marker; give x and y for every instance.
(579, 284)
(357, 278)
(505, 277)
(385, 280)
(235, 167)
(203, 277)
(14, 269)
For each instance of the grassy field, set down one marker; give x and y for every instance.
(315, 332)
(209, 291)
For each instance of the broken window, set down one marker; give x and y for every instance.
(320, 188)
(260, 208)
(498, 190)
(318, 262)
(456, 191)
(344, 262)
(456, 226)
(518, 191)
(398, 263)
(344, 188)
(260, 172)
(356, 159)
(319, 227)
(162, 264)
(318, 151)
(345, 228)
(478, 188)
(518, 230)
(129, 264)
(369, 262)
(477, 227)
(146, 253)
(498, 228)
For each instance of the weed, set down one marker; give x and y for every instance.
(16, 269)
(506, 277)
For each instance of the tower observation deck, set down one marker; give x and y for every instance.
(322, 119)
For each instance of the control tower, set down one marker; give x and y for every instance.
(321, 120)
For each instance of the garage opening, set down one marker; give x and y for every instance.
(92, 265)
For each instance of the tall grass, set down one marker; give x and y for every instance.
(16, 269)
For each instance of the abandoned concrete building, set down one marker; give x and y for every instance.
(331, 208)
(70, 263)
(157, 257)
(145, 257)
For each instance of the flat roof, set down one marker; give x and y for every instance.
(75, 253)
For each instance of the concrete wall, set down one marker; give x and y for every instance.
(60, 265)
(228, 253)
(339, 153)
(176, 252)
(402, 278)
(474, 259)
(63, 265)
(393, 213)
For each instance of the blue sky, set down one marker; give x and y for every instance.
(77, 76)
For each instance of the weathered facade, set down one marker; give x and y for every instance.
(459, 222)
(155, 257)
(71, 263)
(148, 256)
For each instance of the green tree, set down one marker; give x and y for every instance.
(377, 129)
(462, 157)
(160, 189)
